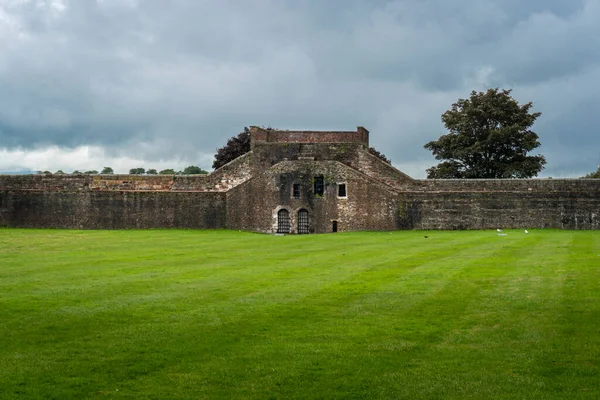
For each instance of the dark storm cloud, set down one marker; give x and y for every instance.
(153, 78)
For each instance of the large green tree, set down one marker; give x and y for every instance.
(235, 147)
(489, 137)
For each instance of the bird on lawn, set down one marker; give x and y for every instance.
(526, 231)
(499, 230)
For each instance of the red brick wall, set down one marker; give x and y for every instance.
(361, 135)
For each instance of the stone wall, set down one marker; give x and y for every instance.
(510, 185)
(361, 135)
(501, 209)
(372, 166)
(502, 203)
(265, 155)
(368, 204)
(221, 180)
(354, 155)
(111, 209)
(45, 182)
(229, 175)
(247, 193)
(130, 182)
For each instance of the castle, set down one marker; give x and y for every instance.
(297, 182)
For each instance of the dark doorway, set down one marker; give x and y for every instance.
(334, 226)
(283, 221)
(303, 224)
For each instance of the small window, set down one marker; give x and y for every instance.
(296, 191)
(341, 190)
(282, 182)
(319, 186)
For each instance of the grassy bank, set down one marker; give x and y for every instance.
(221, 314)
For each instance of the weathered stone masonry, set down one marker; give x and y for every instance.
(297, 182)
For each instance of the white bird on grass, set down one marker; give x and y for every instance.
(499, 230)
(526, 231)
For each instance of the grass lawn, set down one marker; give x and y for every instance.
(218, 314)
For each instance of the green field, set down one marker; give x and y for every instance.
(220, 314)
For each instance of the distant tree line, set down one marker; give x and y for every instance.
(191, 170)
(594, 175)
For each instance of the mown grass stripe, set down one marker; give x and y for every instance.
(179, 314)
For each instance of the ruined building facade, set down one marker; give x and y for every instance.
(297, 182)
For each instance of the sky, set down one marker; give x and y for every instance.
(159, 84)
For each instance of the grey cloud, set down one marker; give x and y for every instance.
(157, 78)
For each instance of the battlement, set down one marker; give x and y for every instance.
(257, 134)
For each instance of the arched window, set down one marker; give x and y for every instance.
(303, 225)
(283, 221)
